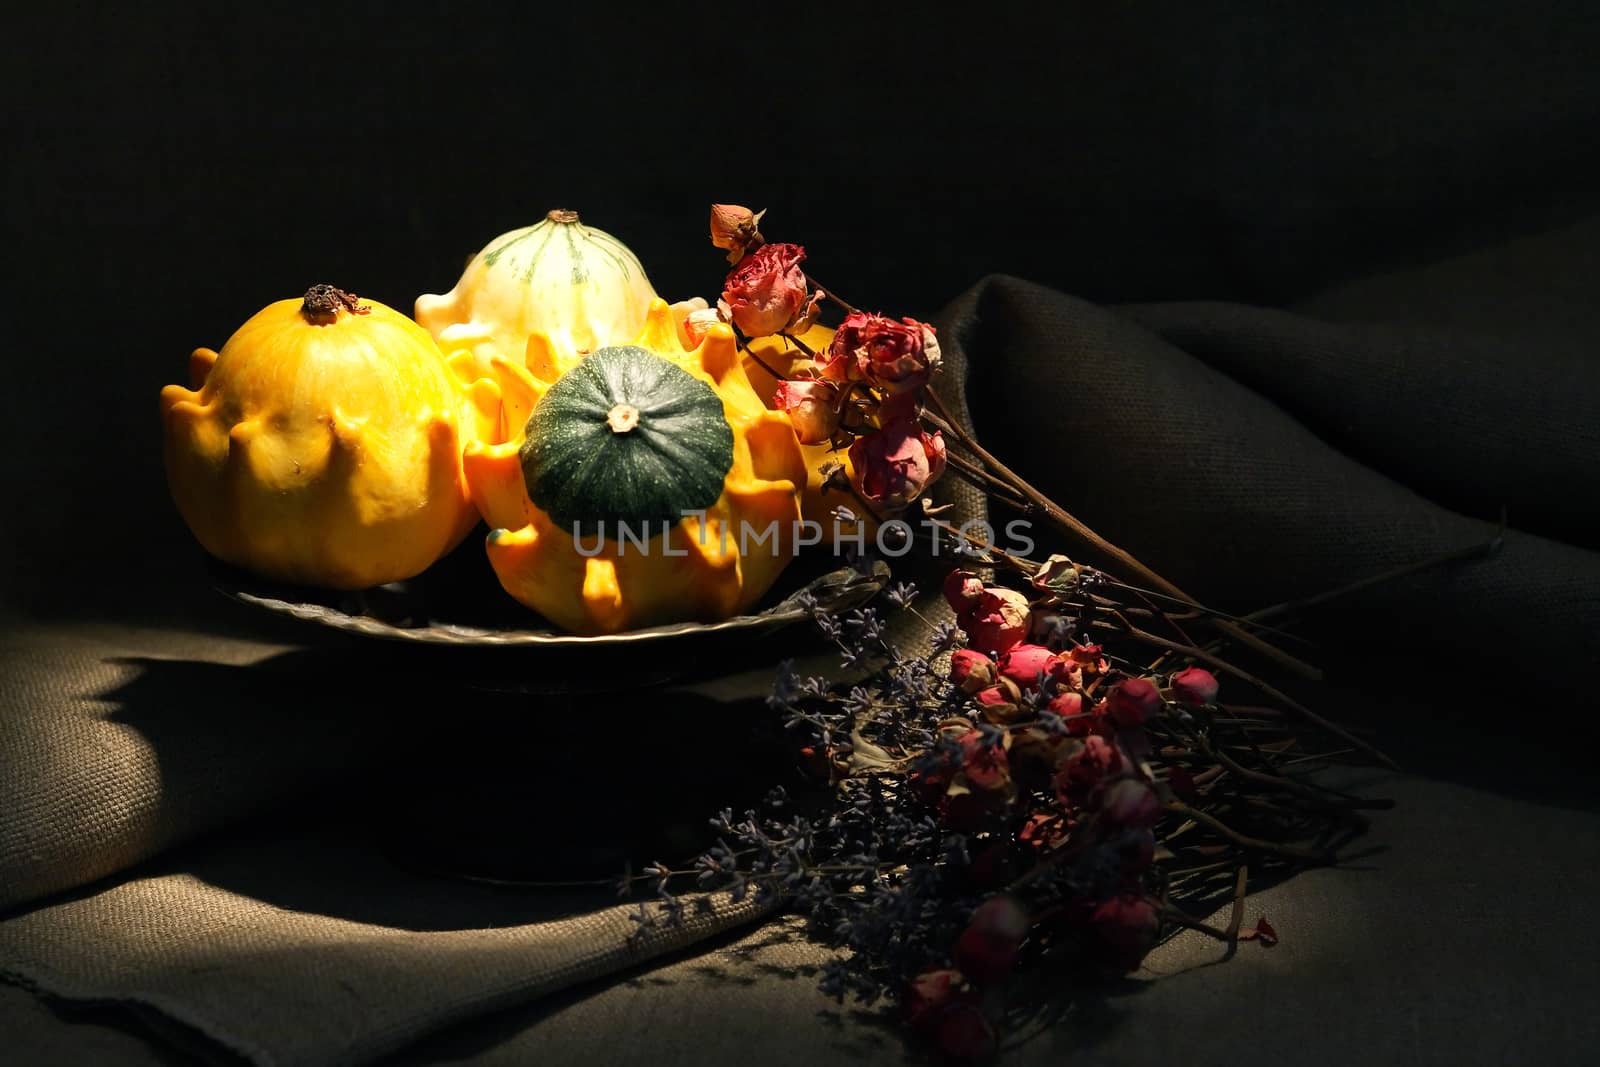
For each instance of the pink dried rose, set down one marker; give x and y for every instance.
(813, 408)
(988, 948)
(895, 356)
(971, 671)
(767, 293)
(895, 465)
(698, 323)
(1127, 926)
(997, 622)
(736, 229)
(1130, 804)
(1027, 664)
(1194, 686)
(1133, 703)
(962, 589)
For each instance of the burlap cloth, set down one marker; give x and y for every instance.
(295, 937)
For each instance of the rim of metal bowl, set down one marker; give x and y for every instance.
(836, 590)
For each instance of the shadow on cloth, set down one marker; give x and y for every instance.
(447, 782)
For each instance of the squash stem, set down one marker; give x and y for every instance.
(322, 304)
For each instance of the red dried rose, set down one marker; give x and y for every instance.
(988, 948)
(1194, 686)
(1133, 702)
(971, 671)
(1126, 925)
(1091, 658)
(1130, 804)
(767, 293)
(997, 622)
(1080, 722)
(1001, 702)
(963, 1032)
(983, 765)
(1082, 773)
(813, 408)
(1027, 664)
(895, 465)
(962, 589)
(897, 357)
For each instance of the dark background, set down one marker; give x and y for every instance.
(171, 171)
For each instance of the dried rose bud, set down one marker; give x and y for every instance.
(966, 812)
(1127, 926)
(1001, 702)
(988, 948)
(930, 992)
(930, 786)
(896, 357)
(698, 323)
(1027, 665)
(992, 867)
(1133, 703)
(997, 622)
(1086, 770)
(1033, 755)
(1138, 851)
(971, 671)
(736, 229)
(1129, 804)
(963, 1032)
(1089, 657)
(983, 765)
(894, 466)
(1194, 686)
(767, 294)
(1057, 574)
(813, 408)
(1079, 720)
(962, 589)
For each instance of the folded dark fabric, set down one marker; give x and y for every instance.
(1255, 457)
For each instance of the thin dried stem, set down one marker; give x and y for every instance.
(946, 423)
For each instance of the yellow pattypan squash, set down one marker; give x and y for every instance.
(322, 445)
(649, 484)
(577, 287)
